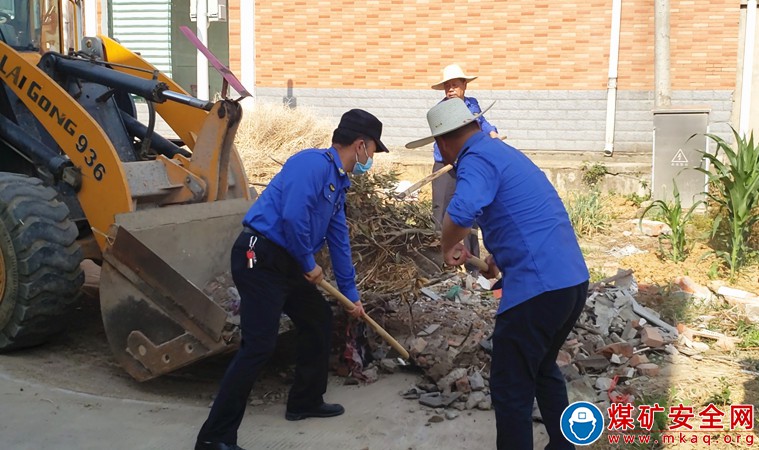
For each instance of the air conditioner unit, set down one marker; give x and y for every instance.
(217, 10)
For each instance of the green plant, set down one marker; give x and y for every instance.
(736, 182)
(592, 175)
(637, 199)
(587, 213)
(673, 215)
(596, 275)
(721, 397)
(748, 333)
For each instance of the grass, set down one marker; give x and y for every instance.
(748, 333)
(587, 212)
(722, 396)
(271, 132)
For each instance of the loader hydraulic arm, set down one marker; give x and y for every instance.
(104, 191)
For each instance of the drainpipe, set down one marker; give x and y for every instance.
(611, 92)
(201, 20)
(748, 66)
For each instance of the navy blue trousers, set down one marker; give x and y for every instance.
(275, 285)
(526, 341)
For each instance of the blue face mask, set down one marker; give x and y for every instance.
(361, 168)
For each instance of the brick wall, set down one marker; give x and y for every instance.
(515, 44)
(546, 62)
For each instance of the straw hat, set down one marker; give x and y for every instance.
(450, 73)
(445, 117)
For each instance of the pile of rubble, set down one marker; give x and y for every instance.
(221, 289)
(616, 340)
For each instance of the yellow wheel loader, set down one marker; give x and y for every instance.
(82, 177)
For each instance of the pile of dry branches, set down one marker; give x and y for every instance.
(395, 247)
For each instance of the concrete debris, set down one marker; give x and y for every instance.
(388, 365)
(627, 250)
(701, 294)
(432, 295)
(445, 383)
(486, 404)
(652, 228)
(438, 400)
(450, 415)
(603, 383)
(413, 393)
(474, 399)
(748, 302)
(615, 340)
(476, 382)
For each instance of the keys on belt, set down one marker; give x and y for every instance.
(251, 253)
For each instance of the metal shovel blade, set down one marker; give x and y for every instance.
(156, 316)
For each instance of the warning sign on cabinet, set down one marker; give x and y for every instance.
(680, 160)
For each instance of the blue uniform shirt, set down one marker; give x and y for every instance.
(524, 224)
(486, 126)
(302, 207)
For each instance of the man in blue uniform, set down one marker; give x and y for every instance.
(274, 270)
(454, 85)
(531, 242)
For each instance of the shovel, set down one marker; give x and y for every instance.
(349, 306)
(418, 185)
(482, 265)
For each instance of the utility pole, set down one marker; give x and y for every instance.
(663, 97)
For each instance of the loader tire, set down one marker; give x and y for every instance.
(40, 277)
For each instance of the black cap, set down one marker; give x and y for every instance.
(362, 122)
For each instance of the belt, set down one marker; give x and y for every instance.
(247, 229)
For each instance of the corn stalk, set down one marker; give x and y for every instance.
(673, 215)
(735, 184)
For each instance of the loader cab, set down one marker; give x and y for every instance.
(40, 26)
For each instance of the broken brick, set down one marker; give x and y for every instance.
(651, 337)
(638, 359)
(462, 384)
(618, 348)
(648, 369)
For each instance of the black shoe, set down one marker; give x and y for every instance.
(216, 446)
(323, 410)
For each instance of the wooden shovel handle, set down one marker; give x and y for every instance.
(349, 306)
(416, 186)
(482, 265)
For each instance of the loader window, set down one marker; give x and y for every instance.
(19, 23)
(50, 26)
(7, 15)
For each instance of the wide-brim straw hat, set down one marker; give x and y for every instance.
(450, 73)
(447, 116)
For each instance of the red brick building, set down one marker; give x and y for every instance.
(547, 64)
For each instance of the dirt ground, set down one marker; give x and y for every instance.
(80, 360)
(729, 377)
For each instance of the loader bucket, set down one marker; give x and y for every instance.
(156, 315)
